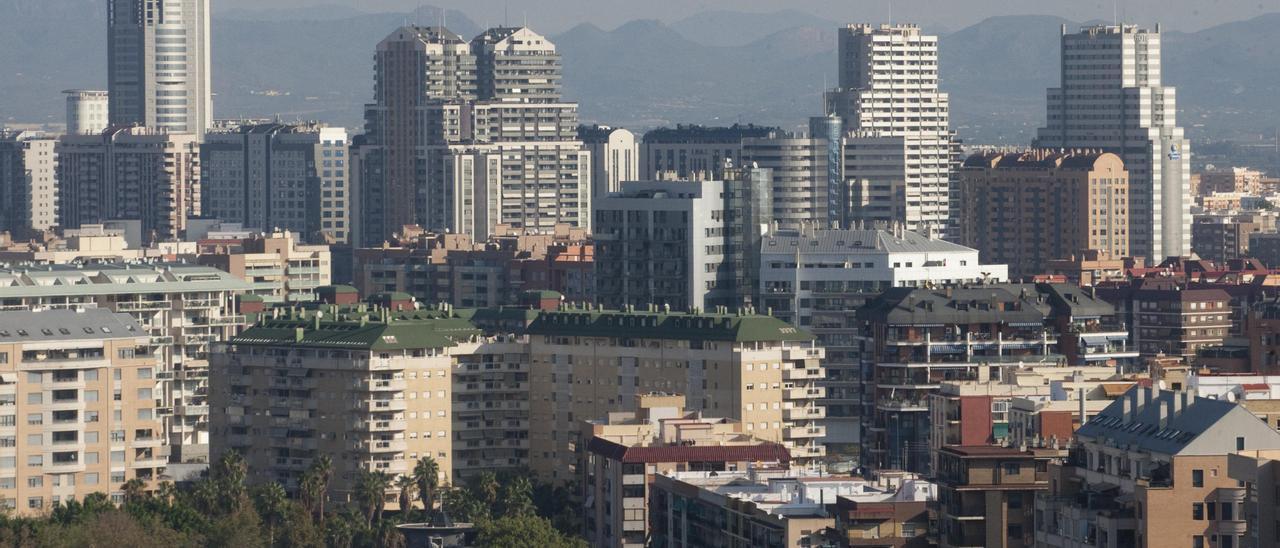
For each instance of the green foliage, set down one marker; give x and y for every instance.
(523, 532)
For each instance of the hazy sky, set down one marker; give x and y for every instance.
(557, 15)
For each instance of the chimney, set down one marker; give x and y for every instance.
(1168, 408)
(1080, 394)
(1138, 397)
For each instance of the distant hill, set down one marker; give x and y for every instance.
(716, 67)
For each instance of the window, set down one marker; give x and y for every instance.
(1197, 511)
(1197, 478)
(1213, 511)
(1239, 443)
(1197, 541)
(1228, 511)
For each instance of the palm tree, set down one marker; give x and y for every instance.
(166, 491)
(517, 497)
(485, 487)
(133, 490)
(405, 484)
(426, 473)
(315, 484)
(271, 502)
(230, 473)
(371, 491)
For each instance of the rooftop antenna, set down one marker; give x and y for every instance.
(506, 6)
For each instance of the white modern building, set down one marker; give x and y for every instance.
(86, 111)
(818, 278)
(615, 157)
(158, 64)
(900, 152)
(1111, 98)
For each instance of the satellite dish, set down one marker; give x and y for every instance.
(1231, 397)
(1161, 385)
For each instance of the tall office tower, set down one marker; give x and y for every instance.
(277, 176)
(615, 157)
(900, 152)
(469, 136)
(131, 173)
(86, 111)
(28, 183)
(1111, 98)
(683, 244)
(158, 64)
(799, 166)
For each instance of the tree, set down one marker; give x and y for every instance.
(516, 497)
(229, 474)
(272, 504)
(484, 486)
(406, 485)
(315, 484)
(426, 473)
(371, 492)
(463, 506)
(523, 532)
(134, 490)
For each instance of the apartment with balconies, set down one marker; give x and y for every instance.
(818, 278)
(183, 309)
(986, 495)
(78, 407)
(372, 390)
(491, 401)
(620, 455)
(1257, 472)
(919, 338)
(586, 363)
(1151, 470)
(277, 266)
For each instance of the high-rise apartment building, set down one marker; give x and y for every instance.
(130, 173)
(682, 244)
(799, 166)
(279, 176)
(899, 151)
(158, 64)
(468, 136)
(1234, 179)
(79, 392)
(86, 111)
(1111, 98)
(28, 183)
(183, 309)
(1027, 209)
(694, 152)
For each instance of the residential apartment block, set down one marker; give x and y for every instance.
(183, 309)
(694, 152)
(28, 183)
(987, 494)
(1027, 209)
(1153, 470)
(818, 279)
(273, 176)
(131, 173)
(615, 157)
(81, 408)
(621, 455)
(277, 267)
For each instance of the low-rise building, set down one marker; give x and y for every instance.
(897, 510)
(759, 508)
(277, 266)
(622, 454)
(986, 494)
(1152, 470)
(1222, 237)
(63, 435)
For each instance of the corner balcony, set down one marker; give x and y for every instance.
(805, 413)
(806, 393)
(380, 406)
(798, 432)
(803, 374)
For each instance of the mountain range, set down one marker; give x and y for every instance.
(717, 67)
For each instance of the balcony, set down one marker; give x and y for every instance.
(805, 413)
(806, 393)
(799, 432)
(801, 353)
(394, 425)
(903, 405)
(385, 446)
(807, 373)
(142, 306)
(191, 410)
(383, 385)
(393, 467)
(377, 406)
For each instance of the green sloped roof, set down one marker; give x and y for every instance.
(346, 335)
(654, 325)
(336, 289)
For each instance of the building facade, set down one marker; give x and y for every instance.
(1027, 209)
(132, 173)
(694, 152)
(615, 157)
(28, 183)
(987, 494)
(899, 153)
(158, 69)
(799, 166)
(276, 266)
(64, 435)
(276, 176)
(86, 111)
(1112, 73)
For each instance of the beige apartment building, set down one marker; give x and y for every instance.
(277, 266)
(1026, 209)
(620, 456)
(755, 369)
(371, 391)
(78, 407)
